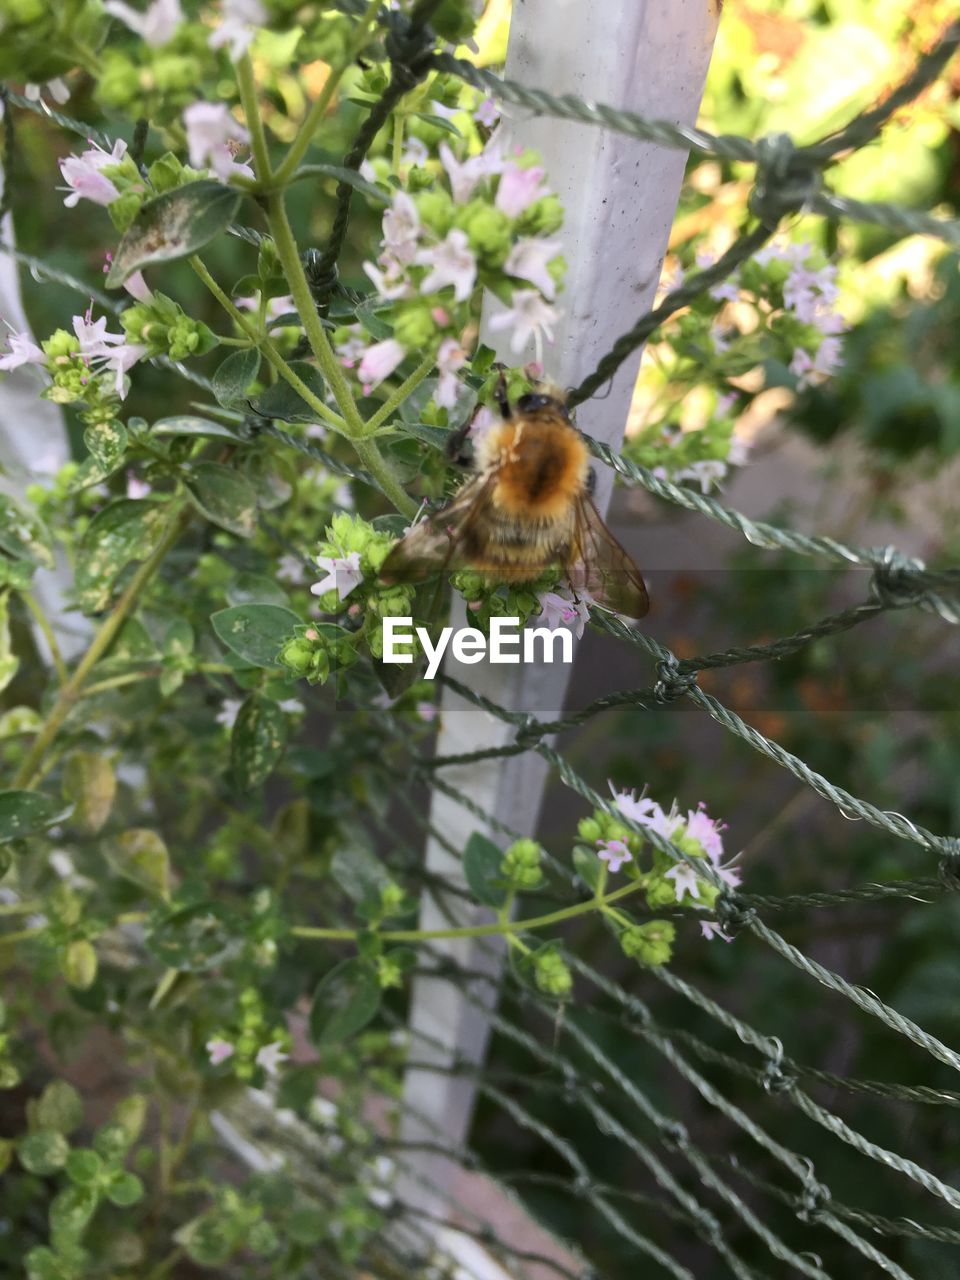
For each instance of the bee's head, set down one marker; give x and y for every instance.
(535, 401)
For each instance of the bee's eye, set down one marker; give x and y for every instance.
(532, 402)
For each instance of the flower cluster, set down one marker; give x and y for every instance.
(252, 1044)
(491, 223)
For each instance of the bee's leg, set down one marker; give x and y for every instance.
(591, 485)
(501, 396)
(455, 449)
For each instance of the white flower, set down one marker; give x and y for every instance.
(343, 573)
(23, 350)
(229, 710)
(465, 176)
(136, 488)
(452, 262)
(84, 178)
(379, 361)
(614, 853)
(415, 152)
(323, 1111)
(401, 228)
(240, 17)
(93, 336)
(291, 568)
(270, 1057)
(138, 288)
(559, 608)
(391, 283)
(519, 188)
(210, 130)
(684, 880)
(488, 113)
(57, 88)
(157, 25)
(219, 1050)
(120, 360)
(706, 473)
(711, 929)
(450, 358)
(529, 317)
(528, 260)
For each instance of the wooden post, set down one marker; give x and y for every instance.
(620, 195)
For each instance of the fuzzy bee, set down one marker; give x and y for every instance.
(526, 509)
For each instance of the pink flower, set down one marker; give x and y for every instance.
(427, 711)
(712, 929)
(391, 283)
(614, 853)
(210, 131)
(702, 828)
(726, 291)
(450, 358)
(465, 176)
(240, 18)
(136, 488)
(488, 113)
(529, 318)
(684, 880)
(528, 260)
(120, 361)
(401, 228)
(84, 178)
(379, 361)
(519, 188)
(23, 350)
(559, 608)
(138, 288)
(452, 262)
(219, 1050)
(156, 26)
(343, 574)
(647, 813)
(351, 351)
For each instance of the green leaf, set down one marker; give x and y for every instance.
(106, 442)
(349, 176)
(481, 866)
(59, 1107)
(283, 402)
(140, 855)
(368, 317)
(358, 871)
(25, 813)
(84, 1166)
(23, 536)
(224, 496)
(70, 1212)
(347, 999)
(189, 425)
(234, 375)
(256, 588)
(436, 437)
(195, 938)
(9, 662)
(123, 531)
(439, 122)
(126, 1189)
(78, 964)
(256, 742)
(44, 1152)
(90, 784)
(173, 225)
(255, 632)
(588, 866)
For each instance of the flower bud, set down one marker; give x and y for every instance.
(488, 230)
(551, 973)
(521, 864)
(649, 944)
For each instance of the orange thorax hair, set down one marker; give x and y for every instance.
(540, 462)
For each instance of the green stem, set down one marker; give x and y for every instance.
(397, 140)
(258, 139)
(267, 348)
(43, 623)
(383, 473)
(98, 647)
(477, 930)
(301, 143)
(396, 398)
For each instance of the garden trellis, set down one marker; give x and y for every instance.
(718, 1201)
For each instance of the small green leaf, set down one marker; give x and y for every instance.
(84, 1166)
(349, 176)
(234, 375)
(23, 536)
(188, 425)
(112, 1141)
(9, 662)
(588, 866)
(106, 443)
(439, 123)
(25, 813)
(123, 531)
(140, 855)
(175, 224)
(224, 496)
(90, 783)
(78, 964)
(44, 1152)
(59, 1107)
(256, 588)
(255, 632)
(347, 999)
(283, 402)
(195, 938)
(126, 1189)
(178, 640)
(256, 742)
(368, 317)
(70, 1212)
(436, 437)
(481, 866)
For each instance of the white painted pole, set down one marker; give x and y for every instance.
(620, 195)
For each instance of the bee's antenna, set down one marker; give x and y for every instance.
(502, 397)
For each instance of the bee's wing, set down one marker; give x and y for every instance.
(603, 568)
(430, 546)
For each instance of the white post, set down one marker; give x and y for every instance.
(620, 195)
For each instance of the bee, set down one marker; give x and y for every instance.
(527, 508)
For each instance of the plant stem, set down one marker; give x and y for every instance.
(397, 141)
(396, 398)
(477, 930)
(268, 349)
(98, 647)
(43, 622)
(301, 143)
(383, 473)
(258, 139)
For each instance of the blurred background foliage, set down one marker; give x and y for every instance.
(876, 710)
